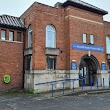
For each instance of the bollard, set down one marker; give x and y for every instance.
(91, 83)
(63, 88)
(73, 86)
(103, 83)
(97, 83)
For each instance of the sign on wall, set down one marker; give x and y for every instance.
(86, 47)
(74, 66)
(6, 79)
(103, 66)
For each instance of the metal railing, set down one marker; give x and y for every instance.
(52, 84)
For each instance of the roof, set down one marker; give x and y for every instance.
(85, 6)
(7, 20)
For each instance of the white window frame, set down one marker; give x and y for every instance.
(108, 44)
(3, 38)
(11, 38)
(91, 39)
(84, 38)
(30, 30)
(54, 33)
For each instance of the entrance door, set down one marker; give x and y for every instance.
(88, 70)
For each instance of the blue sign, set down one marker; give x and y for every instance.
(74, 67)
(103, 66)
(86, 47)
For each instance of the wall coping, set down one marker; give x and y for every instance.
(104, 71)
(11, 41)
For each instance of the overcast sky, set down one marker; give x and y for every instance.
(17, 7)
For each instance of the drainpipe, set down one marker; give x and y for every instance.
(24, 39)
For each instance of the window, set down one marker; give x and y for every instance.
(11, 35)
(91, 39)
(28, 62)
(3, 34)
(50, 36)
(18, 36)
(84, 38)
(30, 36)
(109, 64)
(108, 45)
(51, 62)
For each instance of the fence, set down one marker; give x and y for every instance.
(52, 84)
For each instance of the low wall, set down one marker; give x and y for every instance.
(41, 76)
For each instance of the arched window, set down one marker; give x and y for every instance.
(50, 36)
(108, 45)
(30, 36)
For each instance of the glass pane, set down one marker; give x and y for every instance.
(28, 62)
(30, 36)
(50, 28)
(11, 36)
(54, 63)
(30, 39)
(109, 64)
(108, 45)
(84, 38)
(3, 34)
(51, 62)
(18, 36)
(30, 28)
(91, 39)
(50, 39)
(108, 39)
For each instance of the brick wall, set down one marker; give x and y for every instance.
(42, 16)
(70, 24)
(11, 62)
(81, 21)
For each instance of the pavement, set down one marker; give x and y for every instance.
(33, 102)
(84, 100)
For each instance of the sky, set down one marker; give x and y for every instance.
(17, 7)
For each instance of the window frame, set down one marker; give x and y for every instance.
(92, 39)
(84, 38)
(48, 62)
(30, 30)
(20, 36)
(1, 34)
(109, 65)
(54, 33)
(28, 63)
(12, 36)
(107, 50)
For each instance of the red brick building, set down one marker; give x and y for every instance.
(69, 40)
(11, 52)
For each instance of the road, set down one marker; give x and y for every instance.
(33, 102)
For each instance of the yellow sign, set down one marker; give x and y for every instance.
(6, 78)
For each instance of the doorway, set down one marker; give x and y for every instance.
(88, 69)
